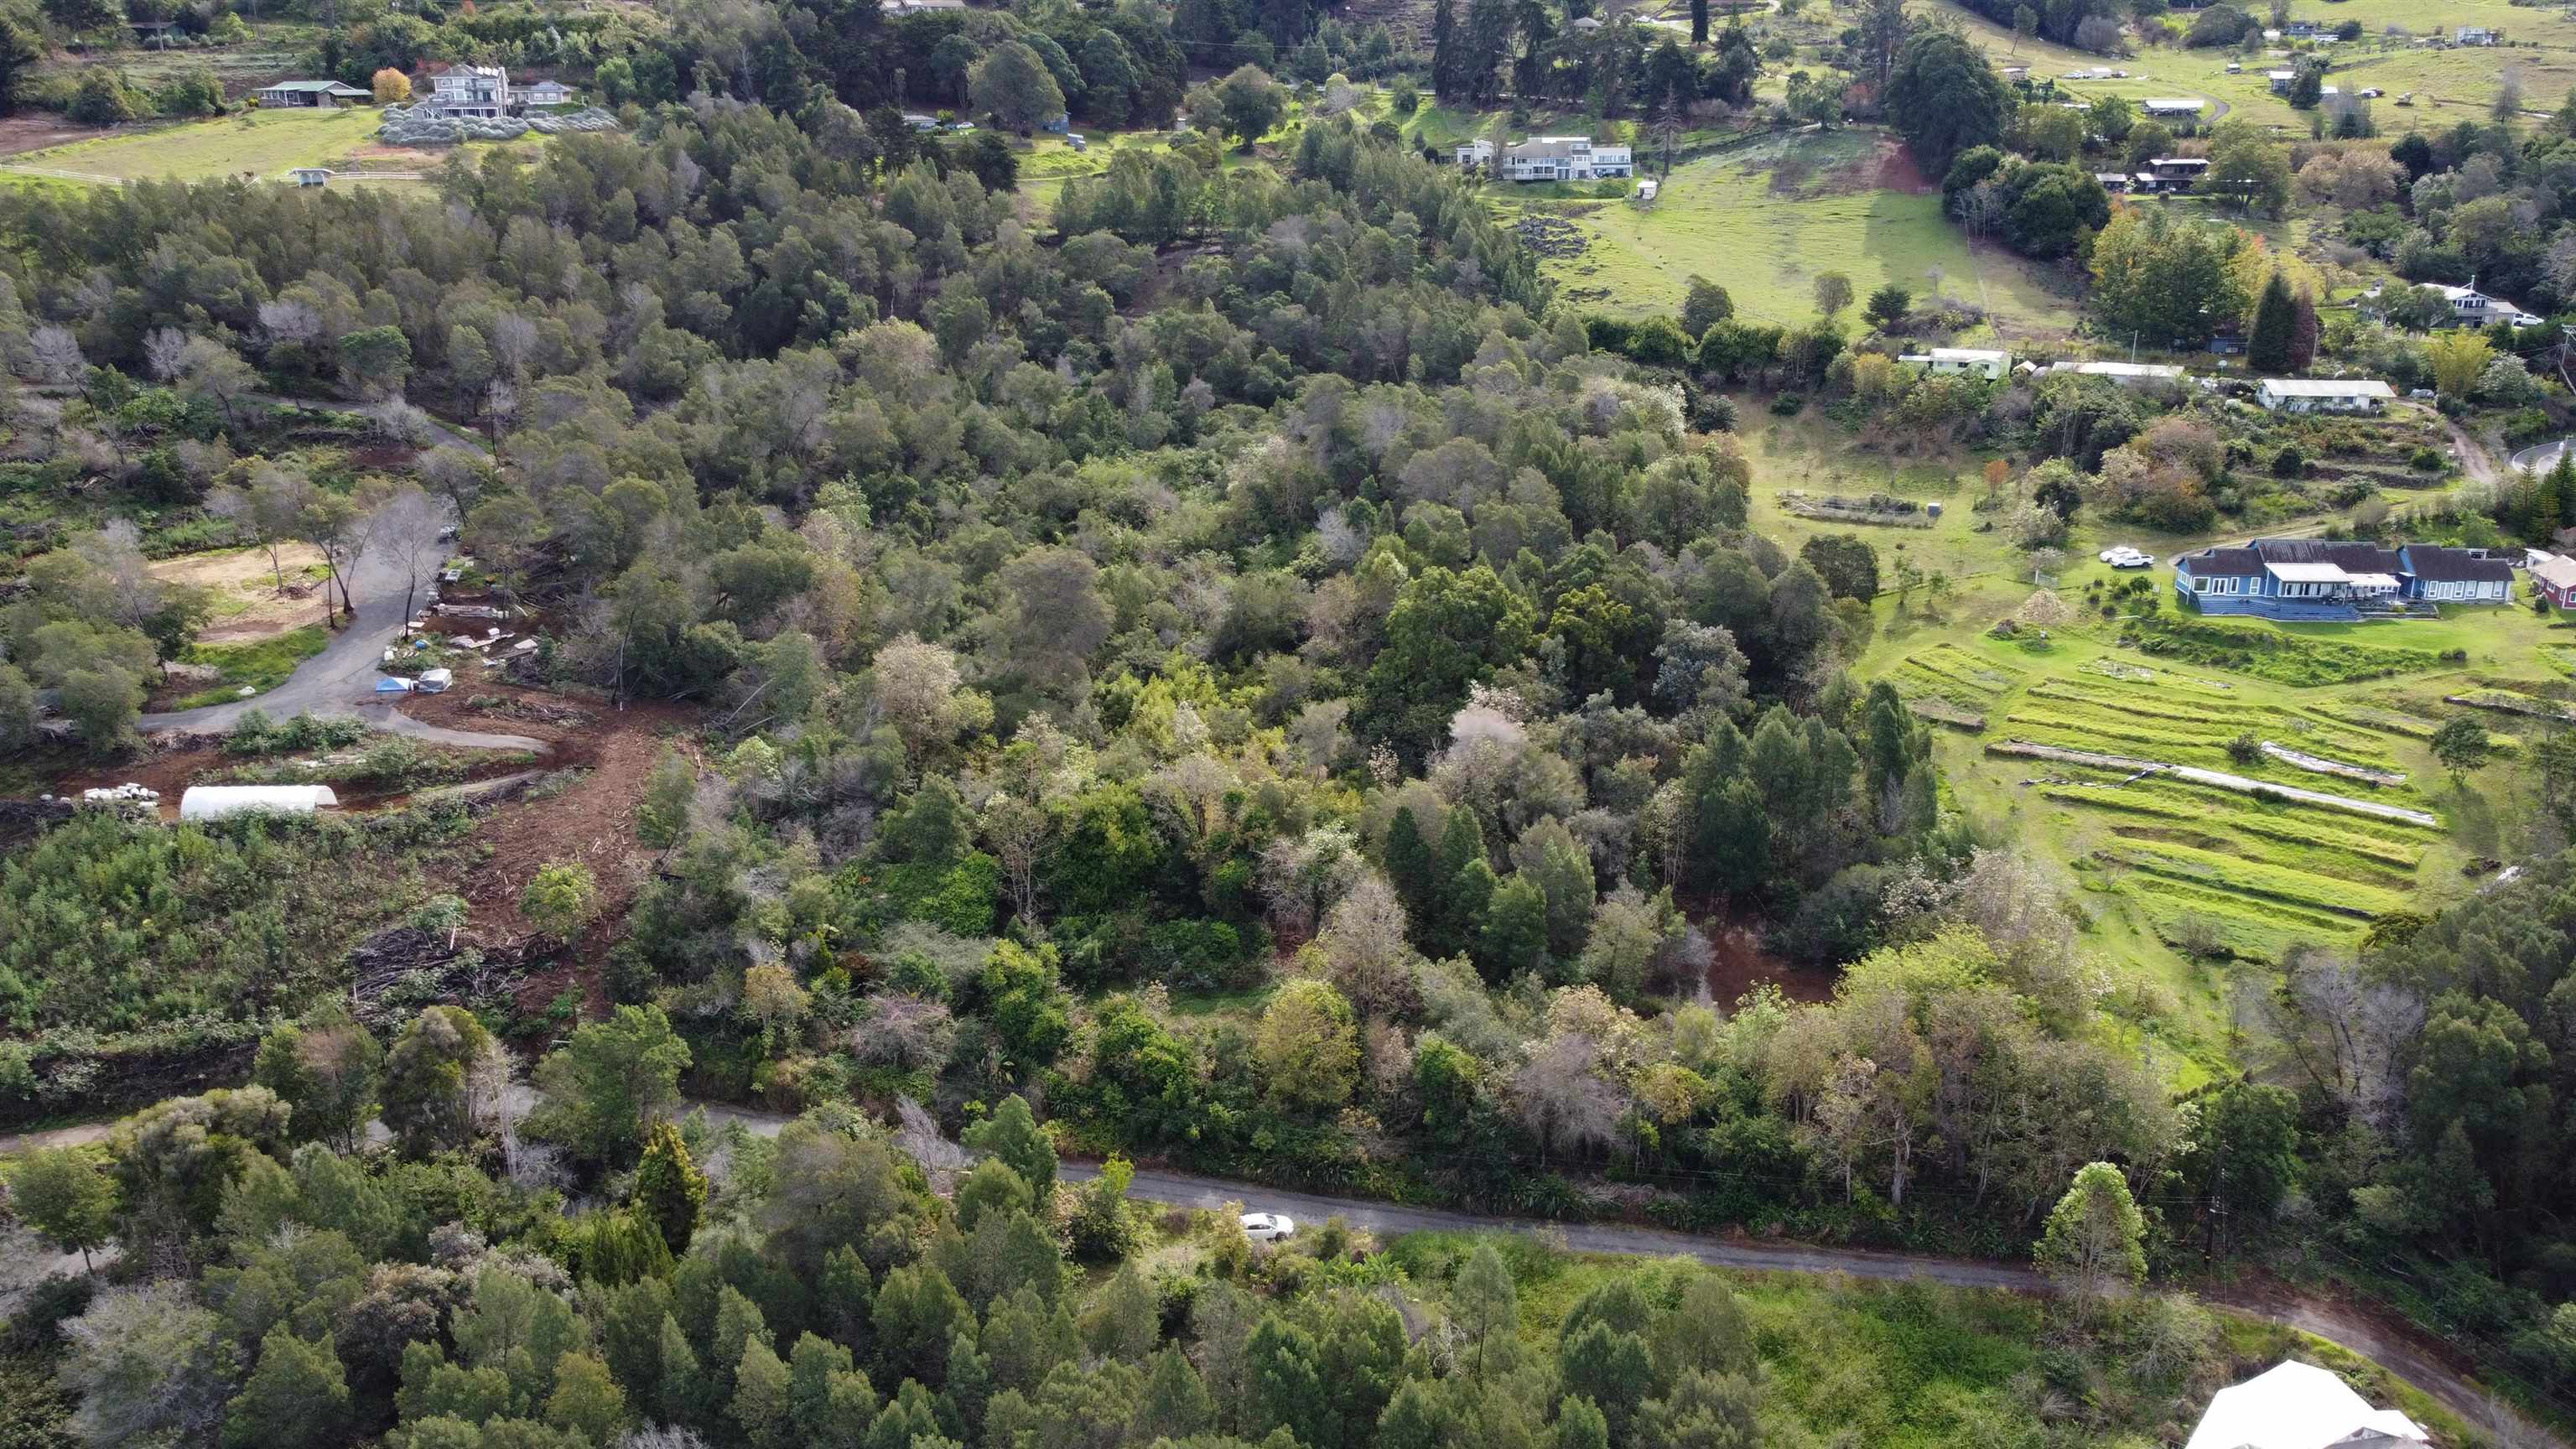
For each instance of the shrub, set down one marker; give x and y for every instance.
(2289, 462)
(2425, 460)
(1788, 405)
(103, 99)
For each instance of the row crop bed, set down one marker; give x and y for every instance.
(2264, 652)
(2257, 879)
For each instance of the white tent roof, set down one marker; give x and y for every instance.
(213, 802)
(2307, 573)
(2298, 1406)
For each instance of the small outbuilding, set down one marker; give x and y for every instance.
(2554, 576)
(216, 802)
(311, 175)
(312, 93)
(434, 681)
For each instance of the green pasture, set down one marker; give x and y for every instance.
(1765, 219)
(262, 144)
(260, 665)
(2449, 84)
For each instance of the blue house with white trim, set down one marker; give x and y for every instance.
(2319, 581)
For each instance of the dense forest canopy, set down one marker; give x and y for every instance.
(1230, 666)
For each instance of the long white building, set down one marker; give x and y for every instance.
(1551, 158)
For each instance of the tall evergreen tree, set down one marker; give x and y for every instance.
(2303, 331)
(1412, 868)
(2268, 349)
(1699, 22)
(1444, 48)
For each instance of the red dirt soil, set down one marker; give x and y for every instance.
(591, 821)
(1737, 964)
(34, 131)
(1894, 169)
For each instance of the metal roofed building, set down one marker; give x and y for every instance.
(288, 94)
(2309, 580)
(2324, 395)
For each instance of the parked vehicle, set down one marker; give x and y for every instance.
(1268, 1227)
(2124, 557)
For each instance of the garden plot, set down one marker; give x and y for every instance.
(2221, 846)
(1946, 674)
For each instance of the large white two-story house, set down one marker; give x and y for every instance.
(470, 90)
(2473, 308)
(1550, 158)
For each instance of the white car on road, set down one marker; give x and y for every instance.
(2125, 557)
(1268, 1227)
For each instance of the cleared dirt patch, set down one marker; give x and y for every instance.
(34, 131)
(1737, 964)
(606, 756)
(247, 602)
(1893, 169)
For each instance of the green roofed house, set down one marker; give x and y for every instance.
(311, 93)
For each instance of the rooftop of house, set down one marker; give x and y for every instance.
(2123, 369)
(2318, 560)
(2454, 565)
(319, 87)
(1970, 354)
(2327, 387)
(2556, 570)
(1549, 147)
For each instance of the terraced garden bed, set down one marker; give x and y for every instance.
(2265, 652)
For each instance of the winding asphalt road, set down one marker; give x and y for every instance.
(2359, 1332)
(2400, 1353)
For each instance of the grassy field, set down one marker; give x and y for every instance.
(1763, 220)
(261, 144)
(259, 665)
(2173, 879)
(2449, 85)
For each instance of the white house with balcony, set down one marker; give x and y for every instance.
(2473, 308)
(470, 90)
(1550, 158)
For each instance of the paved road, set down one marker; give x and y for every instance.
(1387, 1219)
(2357, 1331)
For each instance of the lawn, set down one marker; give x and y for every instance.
(260, 665)
(263, 144)
(1765, 219)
